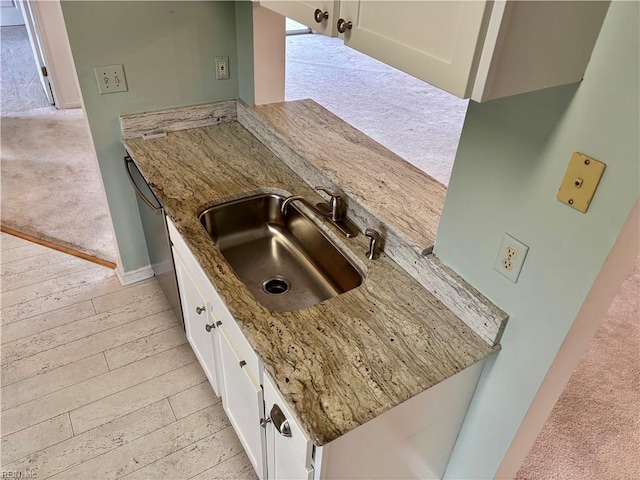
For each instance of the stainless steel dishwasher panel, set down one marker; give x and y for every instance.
(156, 236)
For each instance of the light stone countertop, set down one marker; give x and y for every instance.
(401, 199)
(380, 190)
(339, 363)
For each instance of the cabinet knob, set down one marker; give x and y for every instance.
(208, 327)
(343, 25)
(264, 421)
(199, 310)
(280, 421)
(319, 15)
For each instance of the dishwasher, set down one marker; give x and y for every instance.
(156, 235)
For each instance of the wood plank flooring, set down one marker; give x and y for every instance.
(98, 380)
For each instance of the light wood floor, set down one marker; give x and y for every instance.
(98, 380)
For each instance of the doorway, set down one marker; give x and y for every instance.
(419, 122)
(51, 186)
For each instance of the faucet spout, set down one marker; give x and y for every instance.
(288, 200)
(321, 209)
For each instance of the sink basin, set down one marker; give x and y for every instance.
(284, 260)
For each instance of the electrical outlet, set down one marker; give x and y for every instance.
(222, 68)
(511, 257)
(110, 79)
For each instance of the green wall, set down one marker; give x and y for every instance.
(168, 50)
(511, 159)
(244, 30)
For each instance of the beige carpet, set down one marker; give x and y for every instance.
(20, 87)
(419, 122)
(593, 432)
(50, 182)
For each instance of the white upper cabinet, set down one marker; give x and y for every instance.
(319, 15)
(433, 41)
(473, 49)
(532, 45)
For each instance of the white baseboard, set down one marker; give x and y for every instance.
(68, 105)
(133, 276)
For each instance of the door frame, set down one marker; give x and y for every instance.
(36, 47)
(50, 42)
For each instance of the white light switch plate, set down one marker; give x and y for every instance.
(511, 257)
(110, 79)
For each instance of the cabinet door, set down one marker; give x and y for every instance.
(305, 13)
(287, 456)
(438, 42)
(242, 400)
(196, 320)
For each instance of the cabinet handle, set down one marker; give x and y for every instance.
(343, 25)
(280, 421)
(218, 323)
(264, 421)
(208, 327)
(319, 15)
(199, 310)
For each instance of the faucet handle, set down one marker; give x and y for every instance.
(337, 212)
(327, 191)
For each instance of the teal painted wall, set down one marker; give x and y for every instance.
(511, 159)
(244, 31)
(168, 50)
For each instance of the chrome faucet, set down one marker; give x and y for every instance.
(336, 205)
(334, 210)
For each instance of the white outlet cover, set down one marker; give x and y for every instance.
(110, 79)
(222, 73)
(503, 262)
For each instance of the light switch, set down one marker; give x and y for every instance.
(110, 79)
(580, 181)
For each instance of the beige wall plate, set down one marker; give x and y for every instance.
(580, 181)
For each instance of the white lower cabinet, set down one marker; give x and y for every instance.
(231, 365)
(289, 449)
(411, 440)
(197, 323)
(242, 400)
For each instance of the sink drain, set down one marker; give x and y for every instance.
(276, 285)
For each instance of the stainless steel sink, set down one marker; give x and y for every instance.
(285, 260)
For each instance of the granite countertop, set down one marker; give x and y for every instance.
(339, 363)
(402, 199)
